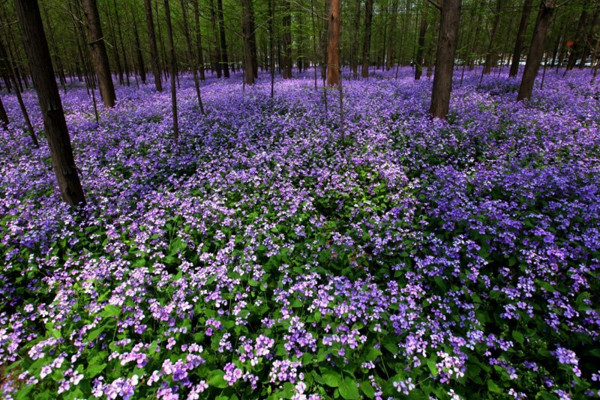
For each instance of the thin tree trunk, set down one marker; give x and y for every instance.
(444, 63)
(246, 33)
(578, 45)
(120, 33)
(215, 28)
(154, 60)
(286, 40)
(391, 36)
(333, 47)
(314, 28)
(420, 59)
(40, 63)
(491, 56)
(356, 40)
(100, 59)
(367, 39)
(199, 53)
(112, 44)
(3, 115)
(516, 58)
(192, 59)
(173, 72)
(536, 50)
(271, 50)
(224, 56)
(138, 47)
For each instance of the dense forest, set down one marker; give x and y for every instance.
(299, 199)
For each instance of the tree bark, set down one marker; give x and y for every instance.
(215, 28)
(100, 59)
(355, 40)
(173, 61)
(3, 115)
(192, 59)
(246, 33)
(367, 39)
(444, 63)
(224, 57)
(286, 40)
(138, 48)
(154, 60)
(536, 50)
(199, 52)
(391, 36)
(40, 64)
(516, 58)
(491, 56)
(420, 59)
(333, 47)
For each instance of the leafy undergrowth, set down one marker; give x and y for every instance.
(267, 257)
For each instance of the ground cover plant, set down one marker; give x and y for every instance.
(267, 256)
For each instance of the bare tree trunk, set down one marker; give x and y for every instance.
(314, 28)
(355, 42)
(367, 39)
(3, 115)
(138, 48)
(192, 59)
(199, 53)
(578, 45)
(125, 60)
(516, 58)
(286, 40)
(536, 50)
(246, 33)
(112, 44)
(253, 52)
(420, 59)
(491, 56)
(333, 47)
(59, 66)
(154, 60)
(107, 90)
(216, 41)
(173, 72)
(391, 36)
(40, 64)
(271, 50)
(224, 57)
(588, 37)
(444, 63)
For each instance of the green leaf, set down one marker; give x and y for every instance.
(94, 370)
(492, 387)
(217, 380)
(111, 311)
(432, 367)
(367, 389)
(518, 336)
(94, 334)
(330, 377)
(348, 389)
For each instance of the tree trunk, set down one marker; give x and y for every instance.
(355, 40)
(516, 58)
(491, 56)
(420, 59)
(154, 60)
(246, 33)
(121, 42)
(138, 48)
(333, 46)
(112, 44)
(444, 63)
(391, 36)
(536, 50)
(40, 64)
(3, 115)
(253, 51)
(286, 40)
(191, 57)
(173, 72)
(100, 59)
(367, 39)
(588, 38)
(271, 46)
(215, 28)
(199, 53)
(579, 39)
(224, 57)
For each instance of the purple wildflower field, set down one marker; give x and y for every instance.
(266, 256)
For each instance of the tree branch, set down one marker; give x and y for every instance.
(435, 4)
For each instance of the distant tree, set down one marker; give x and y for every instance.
(516, 57)
(40, 64)
(420, 58)
(199, 52)
(100, 59)
(173, 62)
(355, 39)
(191, 58)
(366, 61)
(579, 42)
(491, 56)
(444, 63)
(247, 33)
(286, 40)
(223, 40)
(333, 47)
(154, 60)
(536, 49)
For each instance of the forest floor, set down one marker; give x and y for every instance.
(270, 255)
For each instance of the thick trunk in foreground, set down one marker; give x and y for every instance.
(99, 56)
(333, 44)
(444, 63)
(516, 58)
(40, 64)
(153, 49)
(367, 39)
(536, 50)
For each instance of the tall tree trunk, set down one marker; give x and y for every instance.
(59, 65)
(154, 60)
(333, 46)
(355, 40)
(286, 40)
(138, 48)
(3, 115)
(173, 72)
(367, 39)
(40, 64)
(444, 63)
(588, 38)
(100, 59)
(253, 51)
(271, 46)
(112, 44)
(420, 59)
(216, 41)
(246, 33)
(579, 39)
(121, 42)
(391, 36)
(224, 56)
(191, 57)
(199, 52)
(536, 49)
(516, 58)
(491, 56)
